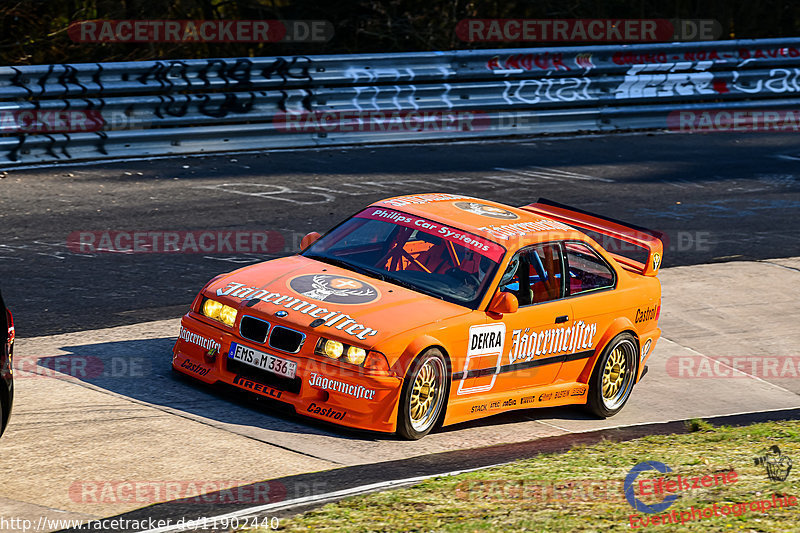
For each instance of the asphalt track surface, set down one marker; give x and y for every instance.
(718, 197)
(303, 486)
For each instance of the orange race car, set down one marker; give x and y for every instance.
(435, 309)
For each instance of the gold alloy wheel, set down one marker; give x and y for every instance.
(426, 394)
(618, 374)
(613, 373)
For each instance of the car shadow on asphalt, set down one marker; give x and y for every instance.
(523, 415)
(142, 371)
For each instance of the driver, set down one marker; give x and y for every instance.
(471, 272)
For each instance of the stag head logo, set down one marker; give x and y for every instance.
(334, 289)
(486, 210)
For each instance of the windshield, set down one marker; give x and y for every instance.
(414, 252)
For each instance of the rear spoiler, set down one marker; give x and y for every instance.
(644, 240)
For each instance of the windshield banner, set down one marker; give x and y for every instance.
(471, 242)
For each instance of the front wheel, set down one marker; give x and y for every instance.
(613, 376)
(423, 396)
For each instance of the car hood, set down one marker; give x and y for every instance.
(348, 306)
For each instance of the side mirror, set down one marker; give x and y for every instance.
(502, 303)
(309, 239)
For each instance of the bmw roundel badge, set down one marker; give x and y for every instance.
(281, 314)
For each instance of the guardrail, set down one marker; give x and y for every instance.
(57, 113)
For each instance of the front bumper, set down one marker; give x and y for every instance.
(322, 390)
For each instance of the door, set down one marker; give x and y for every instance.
(595, 303)
(538, 333)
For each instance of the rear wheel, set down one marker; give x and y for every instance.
(423, 396)
(613, 376)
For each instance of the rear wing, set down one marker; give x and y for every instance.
(614, 236)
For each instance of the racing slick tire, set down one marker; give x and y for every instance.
(424, 394)
(613, 377)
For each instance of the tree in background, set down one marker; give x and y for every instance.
(35, 31)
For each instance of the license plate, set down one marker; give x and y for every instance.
(262, 360)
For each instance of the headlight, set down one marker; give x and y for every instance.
(370, 360)
(344, 352)
(228, 315)
(332, 349)
(219, 312)
(355, 355)
(211, 308)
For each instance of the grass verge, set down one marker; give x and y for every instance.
(582, 490)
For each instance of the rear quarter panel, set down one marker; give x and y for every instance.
(615, 311)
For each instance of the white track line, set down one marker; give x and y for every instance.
(383, 485)
(752, 376)
(530, 174)
(573, 174)
(306, 500)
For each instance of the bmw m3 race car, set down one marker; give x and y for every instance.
(436, 309)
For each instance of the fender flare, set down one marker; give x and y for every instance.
(414, 349)
(619, 325)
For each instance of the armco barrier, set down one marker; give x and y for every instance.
(57, 113)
